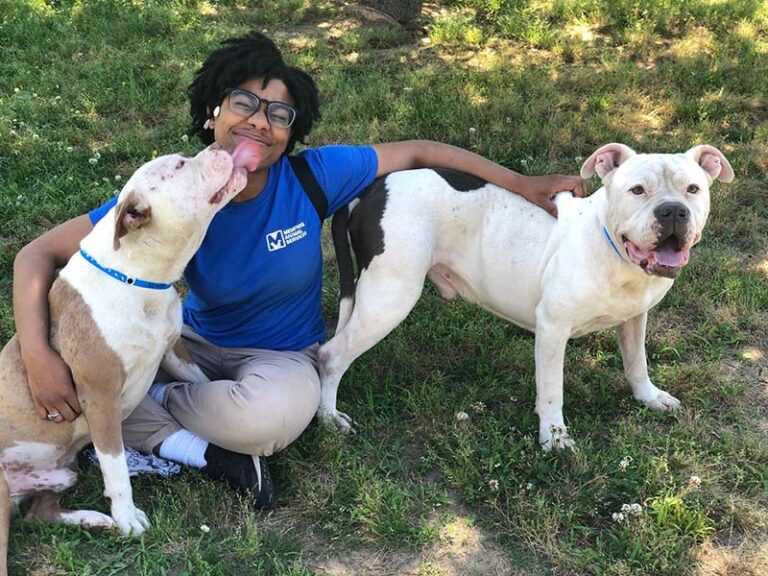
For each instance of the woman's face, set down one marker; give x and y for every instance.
(231, 127)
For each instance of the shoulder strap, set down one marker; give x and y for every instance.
(309, 183)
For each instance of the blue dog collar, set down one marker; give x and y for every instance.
(124, 278)
(612, 243)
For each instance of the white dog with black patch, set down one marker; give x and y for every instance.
(604, 262)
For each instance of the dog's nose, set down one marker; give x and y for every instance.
(670, 212)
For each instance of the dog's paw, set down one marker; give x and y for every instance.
(338, 420)
(131, 521)
(87, 519)
(657, 399)
(556, 437)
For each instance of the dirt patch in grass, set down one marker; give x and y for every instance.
(460, 548)
(745, 560)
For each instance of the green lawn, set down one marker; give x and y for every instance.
(91, 89)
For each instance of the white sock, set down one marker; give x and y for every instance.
(185, 448)
(157, 391)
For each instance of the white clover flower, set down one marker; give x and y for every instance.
(93, 161)
(529, 486)
(479, 407)
(618, 517)
(461, 416)
(408, 89)
(631, 509)
(184, 138)
(493, 485)
(694, 482)
(118, 177)
(472, 131)
(96, 155)
(513, 399)
(70, 148)
(205, 528)
(13, 133)
(625, 462)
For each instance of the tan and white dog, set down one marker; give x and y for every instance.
(114, 317)
(604, 262)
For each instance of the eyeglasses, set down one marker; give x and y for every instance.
(244, 103)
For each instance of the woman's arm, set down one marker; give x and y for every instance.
(428, 154)
(34, 269)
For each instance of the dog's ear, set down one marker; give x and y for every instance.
(606, 159)
(131, 213)
(712, 161)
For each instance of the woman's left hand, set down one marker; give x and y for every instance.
(542, 189)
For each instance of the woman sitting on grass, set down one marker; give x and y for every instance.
(252, 318)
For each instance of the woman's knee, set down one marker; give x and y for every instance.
(273, 421)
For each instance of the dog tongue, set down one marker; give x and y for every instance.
(672, 258)
(247, 154)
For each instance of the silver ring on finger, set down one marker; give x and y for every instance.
(52, 416)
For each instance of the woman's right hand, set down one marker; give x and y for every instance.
(34, 269)
(52, 388)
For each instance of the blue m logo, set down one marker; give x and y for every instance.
(275, 241)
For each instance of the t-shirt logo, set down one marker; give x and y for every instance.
(275, 241)
(282, 238)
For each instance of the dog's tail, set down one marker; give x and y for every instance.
(340, 233)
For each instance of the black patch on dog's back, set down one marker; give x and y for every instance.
(365, 228)
(460, 181)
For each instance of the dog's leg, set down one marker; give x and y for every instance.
(178, 363)
(45, 506)
(104, 419)
(381, 302)
(5, 522)
(551, 340)
(632, 345)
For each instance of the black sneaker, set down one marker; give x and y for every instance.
(245, 473)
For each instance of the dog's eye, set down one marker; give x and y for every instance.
(693, 189)
(637, 190)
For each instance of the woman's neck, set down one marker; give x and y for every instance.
(256, 183)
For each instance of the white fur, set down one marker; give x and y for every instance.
(557, 277)
(117, 487)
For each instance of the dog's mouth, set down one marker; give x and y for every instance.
(245, 158)
(665, 259)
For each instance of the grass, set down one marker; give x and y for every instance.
(91, 89)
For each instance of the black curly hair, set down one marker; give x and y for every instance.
(239, 60)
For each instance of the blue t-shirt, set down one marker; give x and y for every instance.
(256, 280)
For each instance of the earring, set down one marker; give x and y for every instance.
(208, 124)
(216, 111)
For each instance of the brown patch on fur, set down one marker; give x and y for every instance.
(131, 214)
(18, 419)
(97, 370)
(45, 506)
(181, 352)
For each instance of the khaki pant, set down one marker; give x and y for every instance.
(258, 401)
